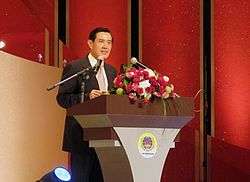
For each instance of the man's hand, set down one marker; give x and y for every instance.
(95, 93)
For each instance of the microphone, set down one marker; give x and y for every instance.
(133, 60)
(97, 65)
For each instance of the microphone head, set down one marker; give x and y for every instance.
(133, 60)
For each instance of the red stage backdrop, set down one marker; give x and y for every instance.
(86, 15)
(170, 44)
(27, 45)
(232, 81)
(22, 29)
(231, 146)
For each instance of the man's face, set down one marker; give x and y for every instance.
(101, 46)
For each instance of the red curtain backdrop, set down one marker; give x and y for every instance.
(22, 29)
(229, 163)
(232, 81)
(86, 15)
(231, 145)
(170, 45)
(27, 45)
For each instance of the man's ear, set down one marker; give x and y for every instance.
(90, 43)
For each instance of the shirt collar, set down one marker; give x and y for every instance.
(92, 60)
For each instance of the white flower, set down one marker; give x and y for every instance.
(165, 78)
(144, 84)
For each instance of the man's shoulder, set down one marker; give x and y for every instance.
(78, 63)
(111, 69)
(110, 66)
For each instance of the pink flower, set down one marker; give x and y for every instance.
(150, 89)
(143, 85)
(139, 90)
(135, 86)
(129, 88)
(162, 80)
(132, 87)
(132, 97)
(118, 81)
(136, 79)
(161, 89)
(157, 94)
(130, 74)
(133, 69)
(140, 73)
(153, 81)
(145, 74)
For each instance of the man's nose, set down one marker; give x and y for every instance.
(105, 46)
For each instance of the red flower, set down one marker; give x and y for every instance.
(136, 79)
(132, 97)
(143, 86)
(150, 89)
(161, 89)
(130, 74)
(132, 87)
(129, 88)
(153, 81)
(139, 90)
(162, 81)
(145, 75)
(118, 81)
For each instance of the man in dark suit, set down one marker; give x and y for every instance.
(85, 165)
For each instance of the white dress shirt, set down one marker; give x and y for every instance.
(101, 70)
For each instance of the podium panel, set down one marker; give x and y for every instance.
(132, 142)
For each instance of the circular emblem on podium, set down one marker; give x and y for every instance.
(147, 145)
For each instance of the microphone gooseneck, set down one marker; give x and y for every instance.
(133, 60)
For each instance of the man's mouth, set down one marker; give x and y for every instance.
(104, 52)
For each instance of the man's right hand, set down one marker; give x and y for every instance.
(95, 93)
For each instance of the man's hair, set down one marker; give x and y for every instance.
(92, 34)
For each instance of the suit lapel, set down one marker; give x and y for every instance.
(109, 76)
(93, 83)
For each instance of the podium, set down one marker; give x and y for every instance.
(132, 142)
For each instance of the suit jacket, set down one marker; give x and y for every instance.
(69, 94)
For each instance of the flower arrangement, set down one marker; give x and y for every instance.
(142, 85)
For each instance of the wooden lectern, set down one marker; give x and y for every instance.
(132, 143)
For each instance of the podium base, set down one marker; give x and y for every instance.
(144, 159)
(114, 163)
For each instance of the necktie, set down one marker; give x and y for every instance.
(101, 79)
